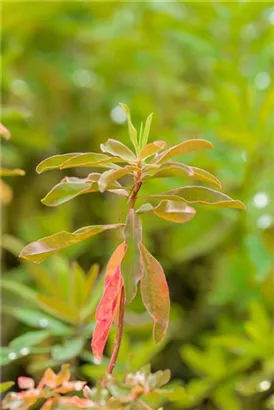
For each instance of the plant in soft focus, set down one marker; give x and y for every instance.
(6, 192)
(131, 262)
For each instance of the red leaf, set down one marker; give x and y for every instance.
(107, 306)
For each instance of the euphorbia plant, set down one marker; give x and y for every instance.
(130, 262)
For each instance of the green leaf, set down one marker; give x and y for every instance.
(140, 134)
(4, 172)
(158, 379)
(151, 149)
(64, 191)
(77, 285)
(183, 148)
(64, 161)
(5, 386)
(35, 318)
(118, 149)
(131, 266)
(175, 169)
(173, 211)
(20, 289)
(206, 196)
(28, 339)
(70, 349)
(145, 134)
(131, 129)
(59, 308)
(40, 250)
(90, 280)
(154, 292)
(112, 175)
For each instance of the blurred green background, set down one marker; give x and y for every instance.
(204, 69)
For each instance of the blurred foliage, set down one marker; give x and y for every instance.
(204, 69)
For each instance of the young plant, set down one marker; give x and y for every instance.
(130, 262)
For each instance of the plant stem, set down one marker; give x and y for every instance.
(118, 340)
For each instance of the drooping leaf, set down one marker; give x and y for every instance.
(75, 159)
(176, 169)
(155, 294)
(107, 305)
(146, 131)
(183, 148)
(171, 210)
(113, 175)
(118, 149)
(4, 172)
(64, 191)
(40, 250)
(151, 149)
(131, 129)
(131, 266)
(205, 196)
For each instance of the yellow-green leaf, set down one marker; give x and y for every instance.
(58, 308)
(170, 210)
(131, 129)
(40, 250)
(118, 149)
(131, 267)
(155, 294)
(175, 169)
(146, 131)
(4, 172)
(113, 175)
(152, 149)
(205, 196)
(90, 280)
(77, 285)
(64, 191)
(5, 386)
(183, 148)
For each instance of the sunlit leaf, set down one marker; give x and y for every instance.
(131, 129)
(146, 131)
(206, 196)
(183, 148)
(152, 149)
(64, 161)
(5, 386)
(174, 211)
(118, 149)
(4, 132)
(64, 191)
(40, 250)
(131, 266)
(113, 175)
(175, 169)
(155, 294)
(4, 172)
(107, 305)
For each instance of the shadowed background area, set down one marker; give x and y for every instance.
(204, 70)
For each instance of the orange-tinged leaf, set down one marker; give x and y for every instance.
(4, 132)
(131, 267)
(25, 382)
(54, 162)
(4, 172)
(64, 191)
(6, 193)
(176, 169)
(205, 196)
(174, 211)
(40, 250)
(183, 148)
(152, 149)
(113, 175)
(118, 149)
(155, 294)
(105, 312)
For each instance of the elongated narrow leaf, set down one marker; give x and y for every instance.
(90, 280)
(183, 148)
(4, 172)
(131, 265)
(59, 308)
(140, 134)
(64, 191)
(131, 129)
(206, 196)
(5, 386)
(118, 149)
(146, 131)
(113, 175)
(40, 250)
(170, 210)
(75, 159)
(77, 285)
(106, 308)
(175, 169)
(152, 149)
(155, 294)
